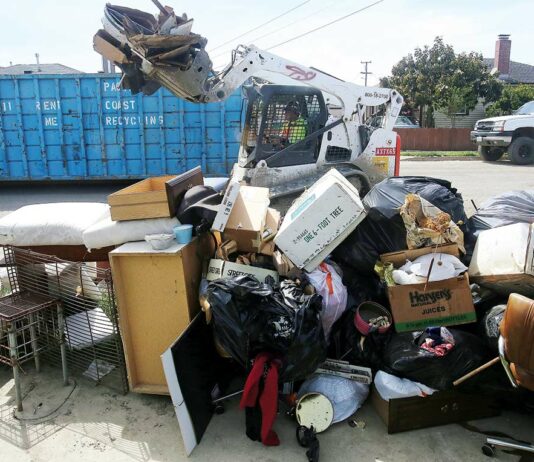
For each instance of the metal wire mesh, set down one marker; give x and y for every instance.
(94, 348)
(35, 333)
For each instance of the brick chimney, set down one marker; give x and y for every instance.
(503, 46)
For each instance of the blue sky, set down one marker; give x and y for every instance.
(61, 31)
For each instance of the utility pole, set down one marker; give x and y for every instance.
(366, 72)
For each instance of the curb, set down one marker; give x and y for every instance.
(439, 158)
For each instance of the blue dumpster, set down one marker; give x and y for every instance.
(84, 127)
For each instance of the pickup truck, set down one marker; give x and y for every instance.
(513, 134)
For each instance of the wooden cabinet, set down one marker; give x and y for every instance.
(157, 297)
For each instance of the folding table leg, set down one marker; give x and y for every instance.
(35, 346)
(13, 351)
(61, 328)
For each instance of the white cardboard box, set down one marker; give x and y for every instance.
(503, 259)
(226, 269)
(227, 204)
(320, 219)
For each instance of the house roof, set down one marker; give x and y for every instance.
(54, 68)
(519, 72)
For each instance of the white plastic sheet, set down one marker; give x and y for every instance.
(392, 387)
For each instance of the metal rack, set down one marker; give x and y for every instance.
(90, 331)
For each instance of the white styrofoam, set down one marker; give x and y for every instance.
(320, 219)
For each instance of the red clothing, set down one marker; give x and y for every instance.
(266, 369)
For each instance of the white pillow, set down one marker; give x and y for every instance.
(50, 224)
(108, 232)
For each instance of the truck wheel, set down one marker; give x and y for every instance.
(521, 151)
(490, 154)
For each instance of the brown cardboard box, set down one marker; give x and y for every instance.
(440, 408)
(247, 219)
(439, 303)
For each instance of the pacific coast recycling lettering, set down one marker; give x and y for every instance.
(110, 110)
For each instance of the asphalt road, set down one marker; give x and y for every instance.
(476, 180)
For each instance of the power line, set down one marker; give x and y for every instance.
(254, 40)
(325, 25)
(261, 25)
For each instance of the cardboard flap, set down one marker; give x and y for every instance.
(250, 209)
(399, 258)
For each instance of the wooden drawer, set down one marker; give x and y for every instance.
(145, 199)
(441, 408)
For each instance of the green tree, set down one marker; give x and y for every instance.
(513, 96)
(435, 77)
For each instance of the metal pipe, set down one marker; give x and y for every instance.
(12, 341)
(510, 445)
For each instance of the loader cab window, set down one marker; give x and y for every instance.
(288, 121)
(252, 127)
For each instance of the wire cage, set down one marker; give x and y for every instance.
(91, 333)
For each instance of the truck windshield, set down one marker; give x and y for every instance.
(527, 108)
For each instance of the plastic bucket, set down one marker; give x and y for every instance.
(183, 233)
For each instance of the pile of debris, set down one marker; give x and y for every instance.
(399, 296)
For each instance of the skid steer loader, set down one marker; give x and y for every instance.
(289, 139)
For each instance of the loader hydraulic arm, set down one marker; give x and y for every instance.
(250, 61)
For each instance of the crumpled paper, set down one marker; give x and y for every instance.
(427, 225)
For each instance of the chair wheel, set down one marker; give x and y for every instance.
(219, 409)
(488, 450)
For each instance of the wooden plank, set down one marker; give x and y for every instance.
(75, 253)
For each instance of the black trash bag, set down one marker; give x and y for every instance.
(403, 357)
(383, 229)
(250, 317)
(505, 209)
(350, 345)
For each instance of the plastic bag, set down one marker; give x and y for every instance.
(505, 209)
(346, 396)
(404, 358)
(250, 317)
(427, 225)
(392, 387)
(329, 285)
(383, 230)
(491, 323)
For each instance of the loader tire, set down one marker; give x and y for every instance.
(490, 154)
(521, 151)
